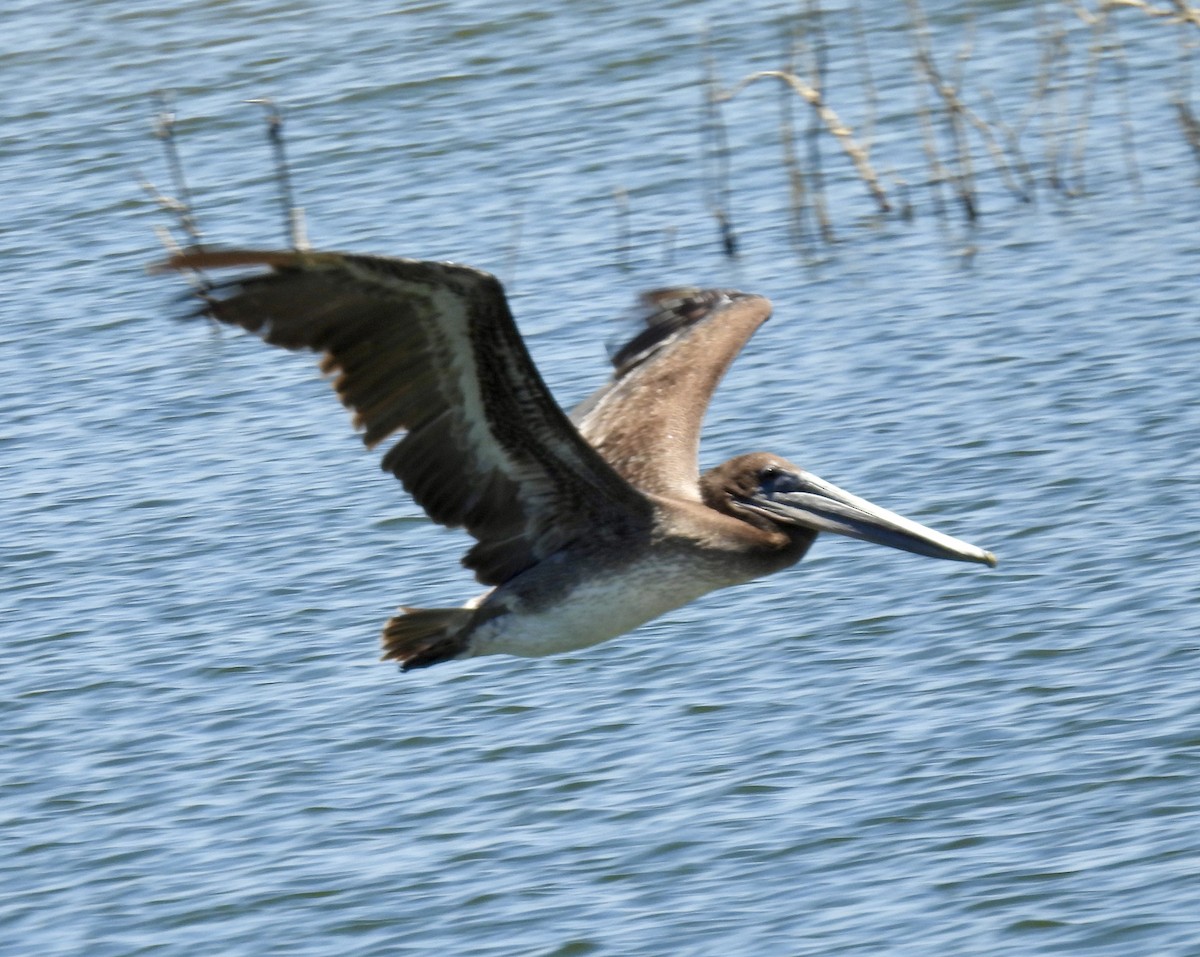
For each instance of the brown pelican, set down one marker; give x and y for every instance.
(585, 526)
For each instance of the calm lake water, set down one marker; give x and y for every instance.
(870, 754)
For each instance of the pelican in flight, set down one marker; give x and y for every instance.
(586, 525)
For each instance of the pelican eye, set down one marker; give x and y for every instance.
(774, 478)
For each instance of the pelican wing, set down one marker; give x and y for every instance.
(646, 420)
(430, 349)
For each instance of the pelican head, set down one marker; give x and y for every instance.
(768, 491)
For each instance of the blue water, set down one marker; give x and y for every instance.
(872, 753)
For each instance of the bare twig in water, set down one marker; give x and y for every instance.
(178, 206)
(1179, 12)
(1182, 101)
(928, 71)
(1128, 140)
(1099, 25)
(1022, 170)
(1050, 90)
(868, 81)
(1064, 101)
(716, 153)
(816, 72)
(1190, 126)
(293, 215)
(832, 123)
(958, 117)
(938, 174)
(797, 185)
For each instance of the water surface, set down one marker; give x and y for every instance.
(869, 754)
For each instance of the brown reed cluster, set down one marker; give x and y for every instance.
(1040, 148)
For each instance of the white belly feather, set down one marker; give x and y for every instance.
(596, 610)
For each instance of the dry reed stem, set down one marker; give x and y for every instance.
(1128, 140)
(1180, 12)
(716, 148)
(1099, 26)
(293, 215)
(1061, 105)
(937, 170)
(816, 71)
(1022, 170)
(1190, 126)
(180, 205)
(957, 111)
(816, 51)
(867, 128)
(1051, 93)
(831, 121)
(797, 186)
(927, 71)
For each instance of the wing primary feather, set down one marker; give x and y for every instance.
(430, 350)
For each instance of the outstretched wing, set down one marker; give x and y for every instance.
(646, 420)
(431, 349)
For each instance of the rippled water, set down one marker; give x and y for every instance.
(871, 753)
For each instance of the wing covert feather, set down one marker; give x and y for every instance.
(646, 420)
